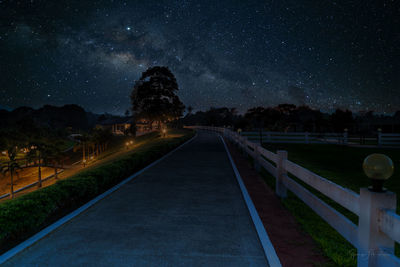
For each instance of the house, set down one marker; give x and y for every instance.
(117, 125)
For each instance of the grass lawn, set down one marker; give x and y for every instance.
(342, 165)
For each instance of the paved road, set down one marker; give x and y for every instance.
(185, 211)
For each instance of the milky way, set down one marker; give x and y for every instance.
(240, 54)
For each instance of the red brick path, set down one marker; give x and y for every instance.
(293, 246)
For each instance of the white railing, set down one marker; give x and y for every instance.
(388, 139)
(297, 137)
(378, 225)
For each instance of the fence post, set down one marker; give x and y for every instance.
(269, 137)
(257, 158)
(345, 137)
(370, 238)
(280, 188)
(306, 137)
(379, 137)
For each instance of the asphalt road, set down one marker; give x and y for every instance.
(185, 211)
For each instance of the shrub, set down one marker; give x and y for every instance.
(23, 216)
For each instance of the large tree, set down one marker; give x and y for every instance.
(154, 96)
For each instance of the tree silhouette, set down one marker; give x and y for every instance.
(12, 166)
(154, 96)
(189, 110)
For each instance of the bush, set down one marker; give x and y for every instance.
(23, 216)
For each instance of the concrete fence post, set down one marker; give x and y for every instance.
(280, 188)
(306, 137)
(345, 137)
(370, 238)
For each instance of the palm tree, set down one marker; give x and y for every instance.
(12, 166)
(41, 151)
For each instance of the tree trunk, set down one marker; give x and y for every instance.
(83, 154)
(12, 185)
(40, 174)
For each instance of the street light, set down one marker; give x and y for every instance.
(378, 167)
(127, 145)
(164, 132)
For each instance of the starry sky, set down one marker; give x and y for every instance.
(326, 54)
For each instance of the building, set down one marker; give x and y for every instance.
(117, 125)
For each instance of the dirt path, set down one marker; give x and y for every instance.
(293, 246)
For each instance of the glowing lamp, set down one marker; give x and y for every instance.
(378, 167)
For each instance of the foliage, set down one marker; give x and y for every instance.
(23, 216)
(154, 96)
(288, 117)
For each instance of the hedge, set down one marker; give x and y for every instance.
(28, 214)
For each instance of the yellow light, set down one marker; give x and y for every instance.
(378, 166)
(127, 143)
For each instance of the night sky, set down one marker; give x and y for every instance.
(325, 54)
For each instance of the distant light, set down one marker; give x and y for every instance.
(128, 28)
(48, 95)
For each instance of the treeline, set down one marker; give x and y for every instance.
(292, 118)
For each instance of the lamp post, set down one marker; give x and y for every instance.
(127, 145)
(373, 200)
(378, 167)
(164, 131)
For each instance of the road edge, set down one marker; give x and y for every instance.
(269, 249)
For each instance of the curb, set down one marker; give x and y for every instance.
(269, 250)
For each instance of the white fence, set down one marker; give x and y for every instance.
(297, 137)
(378, 225)
(388, 139)
(382, 139)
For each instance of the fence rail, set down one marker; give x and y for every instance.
(378, 225)
(382, 139)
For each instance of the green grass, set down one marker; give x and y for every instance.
(342, 165)
(28, 214)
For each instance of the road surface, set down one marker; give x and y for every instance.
(185, 211)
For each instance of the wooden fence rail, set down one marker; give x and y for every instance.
(378, 225)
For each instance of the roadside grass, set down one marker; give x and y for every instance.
(22, 217)
(341, 165)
